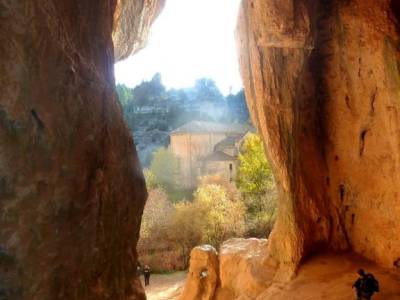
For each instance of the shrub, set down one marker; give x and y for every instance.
(256, 184)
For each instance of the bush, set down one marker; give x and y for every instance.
(222, 217)
(256, 184)
(185, 229)
(169, 232)
(164, 167)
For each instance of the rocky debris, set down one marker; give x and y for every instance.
(71, 188)
(202, 278)
(322, 82)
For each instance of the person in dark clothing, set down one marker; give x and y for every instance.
(146, 273)
(366, 285)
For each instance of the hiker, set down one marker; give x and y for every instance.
(146, 273)
(366, 285)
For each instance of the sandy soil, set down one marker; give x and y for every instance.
(330, 277)
(165, 287)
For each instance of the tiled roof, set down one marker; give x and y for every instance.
(211, 127)
(229, 141)
(219, 156)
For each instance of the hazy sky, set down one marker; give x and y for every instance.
(190, 39)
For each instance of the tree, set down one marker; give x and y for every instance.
(156, 214)
(222, 218)
(211, 218)
(164, 167)
(254, 177)
(255, 181)
(231, 190)
(124, 94)
(154, 246)
(237, 107)
(185, 229)
(151, 182)
(170, 231)
(149, 91)
(206, 90)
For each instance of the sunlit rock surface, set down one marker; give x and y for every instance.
(322, 84)
(132, 21)
(71, 188)
(330, 277)
(202, 278)
(242, 269)
(245, 274)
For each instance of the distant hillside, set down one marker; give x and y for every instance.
(152, 111)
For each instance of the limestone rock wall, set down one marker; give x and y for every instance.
(250, 276)
(322, 84)
(132, 21)
(71, 188)
(202, 279)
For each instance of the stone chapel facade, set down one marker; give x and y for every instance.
(204, 148)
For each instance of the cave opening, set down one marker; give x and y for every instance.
(206, 172)
(72, 191)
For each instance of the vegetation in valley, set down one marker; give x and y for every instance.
(152, 111)
(176, 220)
(256, 184)
(218, 210)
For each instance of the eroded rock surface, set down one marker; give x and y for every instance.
(242, 269)
(330, 277)
(132, 22)
(245, 274)
(202, 278)
(322, 83)
(71, 188)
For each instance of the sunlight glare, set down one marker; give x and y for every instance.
(190, 39)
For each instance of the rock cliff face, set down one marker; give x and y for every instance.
(322, 83)
(132, 21)
(71, 189)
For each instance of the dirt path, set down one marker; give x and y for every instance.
(165, 287)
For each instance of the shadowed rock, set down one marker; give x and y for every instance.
(71, 188)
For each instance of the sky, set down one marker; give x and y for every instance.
(190, 39)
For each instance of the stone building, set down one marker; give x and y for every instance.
(206, 148)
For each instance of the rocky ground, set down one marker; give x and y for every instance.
(330, 277)
(243, 273)
(327, 276)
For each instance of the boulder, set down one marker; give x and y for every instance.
(202, 278)
(243, 272)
